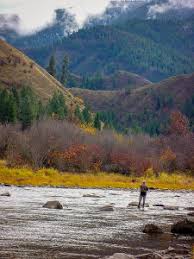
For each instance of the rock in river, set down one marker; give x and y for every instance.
(135, 204)
(184, 227)
(120, 256)
(152, 229)
(6, 194)
(167, 207)
(190, 208)
(53, 205)
(158, 205)
(107, 208)
(190, 216)
(92, 195)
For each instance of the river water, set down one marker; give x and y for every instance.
(81, 229)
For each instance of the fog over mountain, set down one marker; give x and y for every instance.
(27, 17)
(142, 9)
(165, 6)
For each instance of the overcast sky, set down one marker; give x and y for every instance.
(36, 13)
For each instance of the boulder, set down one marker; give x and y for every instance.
(107, 208)
(5, 194)
(92, 195)
(191, 214)
(120, 256)
(190, 208)
(167, 207)
(184, 227)
(152, 229)
(53, 205)
(158, 205)
(135, 204)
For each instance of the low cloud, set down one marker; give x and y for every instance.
(169, 5)
(8, 21)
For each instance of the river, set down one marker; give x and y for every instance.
(81, 229)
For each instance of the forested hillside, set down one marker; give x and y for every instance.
(150, 48)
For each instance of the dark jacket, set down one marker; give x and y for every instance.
(143, 190)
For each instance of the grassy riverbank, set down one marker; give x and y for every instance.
(51, 177)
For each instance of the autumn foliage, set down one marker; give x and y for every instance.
(66, 147)
(179, 124)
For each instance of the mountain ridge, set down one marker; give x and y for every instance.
(148, 106)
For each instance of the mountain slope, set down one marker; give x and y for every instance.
(147, 107)
(17, 70)
(155, 49)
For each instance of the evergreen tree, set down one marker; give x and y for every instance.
(86, 115)
(16, 96)
(12, 109)
(65, 71)
(8, 110)
(57, 106)
(52, 66)
(28, 107)
(4, 97)
(26, 112)
(97, 122)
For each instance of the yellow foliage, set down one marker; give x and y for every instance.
(52, 177)
(149, 173)
(88, 129)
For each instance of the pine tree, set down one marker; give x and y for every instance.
(28, 107)
(65, 71)
(78, 114)
(4, 99)
(52, 66)
(12, 109)
(86, 115)
(8, 110)
(26, 112)
(16, 96)
(57, 106)
(97, 122)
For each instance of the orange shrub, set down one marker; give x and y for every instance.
(79, 157)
